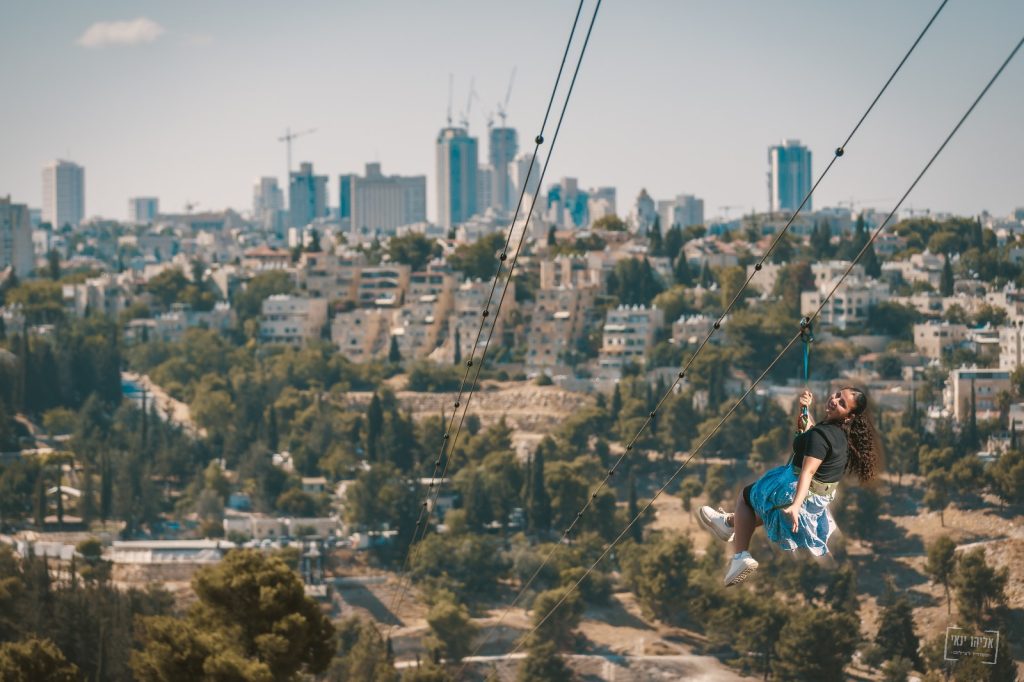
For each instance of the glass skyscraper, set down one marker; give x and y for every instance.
(789, 176)
(456, 177)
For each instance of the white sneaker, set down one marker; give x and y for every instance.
(716, 522)
(740, 568)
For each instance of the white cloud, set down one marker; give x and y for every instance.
(111, 33)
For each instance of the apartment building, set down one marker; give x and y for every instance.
(559, 320)
(935, 339)
(363, 334)
(628, 334)
(292, 320)
(988, 384)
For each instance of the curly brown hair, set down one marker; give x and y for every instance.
(864, 444)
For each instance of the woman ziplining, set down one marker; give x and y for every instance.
(791, 501)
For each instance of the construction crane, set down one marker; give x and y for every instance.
(727, 208)
(503, 107)
(287, 139)
(451, 87)
(469, 104)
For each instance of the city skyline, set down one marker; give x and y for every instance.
(191, 111)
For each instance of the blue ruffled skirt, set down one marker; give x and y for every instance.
(776, 490)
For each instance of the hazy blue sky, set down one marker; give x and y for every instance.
(673, 96)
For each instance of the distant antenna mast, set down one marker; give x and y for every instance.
(503, 107)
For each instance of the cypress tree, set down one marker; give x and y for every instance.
(946, 285)
(272, 435)
(681, 272)
(539, 512)
(375, 423)
(655, 245)
(458, 348)
(106, 487)
(394, 354)
(616, 402)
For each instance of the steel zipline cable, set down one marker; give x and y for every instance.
(448, 442)
(840, 150)
(778, 357)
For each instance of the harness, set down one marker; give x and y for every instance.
(817, 487)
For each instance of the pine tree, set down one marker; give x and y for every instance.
(394, 354)
(941, 564)
(552, 239)
(896, 636)
(946, 284)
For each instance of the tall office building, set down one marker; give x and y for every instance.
(485, 187)
(345, 196)
(520, 167)
(378, 203)
(63, 193)
(502, 150)
(143, 210)
(268, 204)
(15, 238)
(684, 210)
(307, 196)
(456, 177)
(789, 176)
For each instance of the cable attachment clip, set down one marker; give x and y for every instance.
(806, 330)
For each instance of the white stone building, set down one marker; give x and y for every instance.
(292, 320)
(629, 332)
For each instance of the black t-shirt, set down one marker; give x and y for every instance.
(815, 443)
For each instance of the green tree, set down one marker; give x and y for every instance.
(257, 606)
(394, 354)
(544, 664)
(821, 241)
(181, 649)
(893, 319)
(896, 636)
(247, 302)
(946, 283)
(816, 645)
(556, 624)
(451, 630)
(538, 511)
(655, 243)
(362, 654)
(413, 249)
(936, 497)
(978, 586)
(897, 670)
(660, 577)
(1006, 475)
(35, 660)
(681, 270)
(941, 565)
(478, 260)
